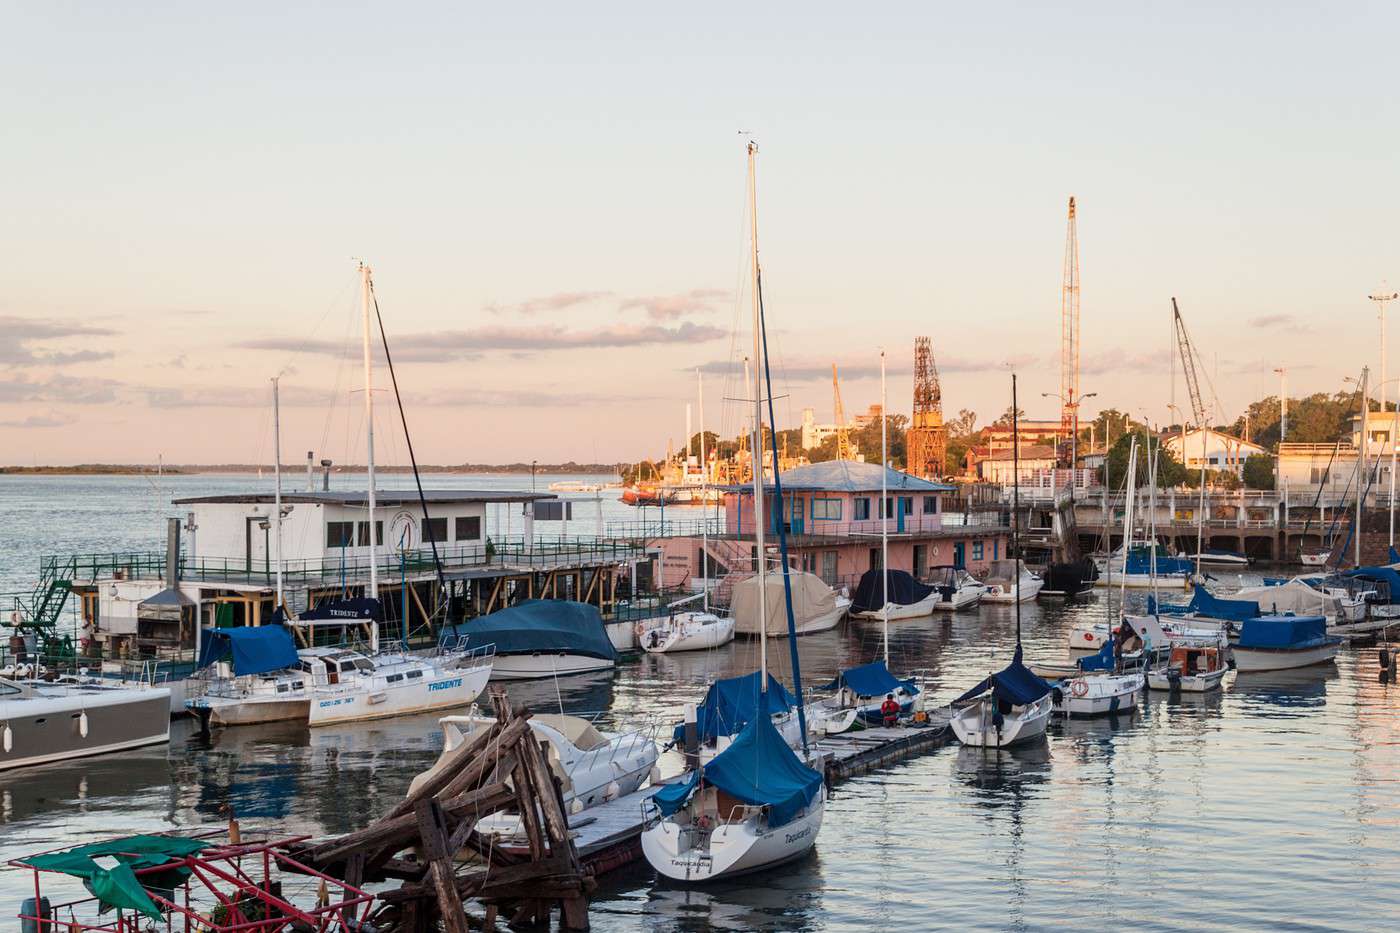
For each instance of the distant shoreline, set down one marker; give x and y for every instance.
(128, 469)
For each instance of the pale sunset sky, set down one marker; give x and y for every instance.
(552, 198)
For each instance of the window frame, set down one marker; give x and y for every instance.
(466, 520)
(860, 509)
(824, 506)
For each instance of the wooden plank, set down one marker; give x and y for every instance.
(432, 828)
(400, 831)
(461, 773)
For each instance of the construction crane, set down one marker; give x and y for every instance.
(1069, 343)
(1198, 411)
(927, 439)
(843, 437)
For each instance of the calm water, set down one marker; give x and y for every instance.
(1270, 806)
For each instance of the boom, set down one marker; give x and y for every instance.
(843, 438)
(1188, 369)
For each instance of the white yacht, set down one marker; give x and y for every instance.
(957, 588)
(44, 722)
(349, 687)
(1010, 581)
(1098, 694)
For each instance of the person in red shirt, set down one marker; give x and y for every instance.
(889, 710)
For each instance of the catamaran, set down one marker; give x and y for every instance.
(756, 804)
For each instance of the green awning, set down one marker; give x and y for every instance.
(118, 886)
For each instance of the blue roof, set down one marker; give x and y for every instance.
(257, 649)
(871, 680)
(1292, 633)
(757, 768)
(731, 703)
(849, 476)
(549, 625)
(1016, 684)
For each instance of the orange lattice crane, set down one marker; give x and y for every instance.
(843, 437)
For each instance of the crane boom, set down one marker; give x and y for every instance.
(843, 438)
(1188, 368)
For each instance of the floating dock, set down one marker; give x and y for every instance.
(609, 836)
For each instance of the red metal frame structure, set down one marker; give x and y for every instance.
(219, 876)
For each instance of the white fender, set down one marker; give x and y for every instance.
(7, 738)
(83, 724)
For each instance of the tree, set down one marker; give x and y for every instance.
(964, 425)
(1005, 420)
(1170, 472)
(1259, 472)
(1110, 424)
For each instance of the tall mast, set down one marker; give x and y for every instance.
(1016, 494)
(1069, 338)
(758, 436)
(884, 513)
(1363, 469)
(277, 495)
(369, 454)
(704, 500)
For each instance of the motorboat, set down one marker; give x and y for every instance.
(1191, 669)
(1069, 579)
(863, 690)
(592, 767)
(816, 607)
(1097, 694)
(684, 631)
(249, 675)
(957, 588)
(1009, 707)
(348, 686)
(1275, 643)
(43, 722)
(752, 807)
(542, 638)
(1010, 581)
(1311, 594)
(907, 597)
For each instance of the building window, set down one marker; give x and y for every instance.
(829, 566)
(977, 550)
(920, 556)
(930, 505)
(906, 505)
(435, 530)
(996, 550)
(828, 510)
(861, 509)
(340, 534)
(362, 534)
(469, 528)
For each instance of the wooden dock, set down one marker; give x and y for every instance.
(609, 836)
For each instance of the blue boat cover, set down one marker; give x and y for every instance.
(256, 649)
(342, 610)
(1140, 562)
(1394, 555)
(757, 768)
(540, 625)
(1105, 660)
(1284, 632)
(871, 680)
(730, 704)
(1203, 603)
(1386, 575)
(904, 591)
(1016, 684)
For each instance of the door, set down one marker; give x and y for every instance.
(959, 554)
(796, 525)
(874, 558)
(899, 514)
(920, 560)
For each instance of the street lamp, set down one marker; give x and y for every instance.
(533, 464)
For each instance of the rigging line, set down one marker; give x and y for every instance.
(418, 480)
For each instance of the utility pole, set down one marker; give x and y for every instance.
(1283, 402)
(1383, 297)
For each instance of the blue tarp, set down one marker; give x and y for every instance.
(1284, 632)
(1203, 603)
(1385, 575)
(540, 625)
(759, 769)
(1394, 555)
(870, 592)
(1105, 660)
(1016, 684)
(1140, 562)
(255, 649)
(871, 680)
(730, 704)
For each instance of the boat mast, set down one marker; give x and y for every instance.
(884, 513)
(757, 459)
(277, 494)
(1016, 502)
(1363, 470)
(373, 592)
(1129, 494)
(704, 501)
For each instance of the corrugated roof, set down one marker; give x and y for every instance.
(384, 497)
(850, 476)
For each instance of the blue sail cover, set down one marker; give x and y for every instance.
(871, 680)
(1140, 562)
(1016, 684)
(540, 625)
(1289, 633)
(730, 704)
(1394, 556)
(1105, 660)
(256, 649)
(757, 768)
(904, 591)
(1203, 603)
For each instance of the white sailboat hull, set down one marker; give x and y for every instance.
(435, 690)
(924, 607)
(690, 631)
(250, 711)
(974, 725)
(1255, 659)
(533, 666)
(1099, 695)
(677, 852)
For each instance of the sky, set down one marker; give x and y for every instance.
(553, 200)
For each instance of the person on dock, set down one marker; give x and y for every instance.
(889, 710)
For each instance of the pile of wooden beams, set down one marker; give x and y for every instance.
(429, 840)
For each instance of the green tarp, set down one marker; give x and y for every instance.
(118, 886)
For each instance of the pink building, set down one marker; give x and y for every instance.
(832, 515)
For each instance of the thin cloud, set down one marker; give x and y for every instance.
(522, 398)
(670, 307)
(812, 372)
(68, 390)
(258, 396)
(559, 301)
(20, 333)
(1289, 323)
(54, 419)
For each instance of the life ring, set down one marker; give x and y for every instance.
(1088, 636)
(1079, 688)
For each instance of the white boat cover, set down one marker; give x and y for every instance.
(811, 598)
(1293, 596)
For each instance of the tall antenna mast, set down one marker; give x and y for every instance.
(1069, 341)
(369, 455)
(758, 438)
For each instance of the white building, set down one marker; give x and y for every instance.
(1221, 451)
(812, 433)
(1000, 466)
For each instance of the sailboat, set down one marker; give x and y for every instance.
(756, 804)
(1012, 705)
(688, 630)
